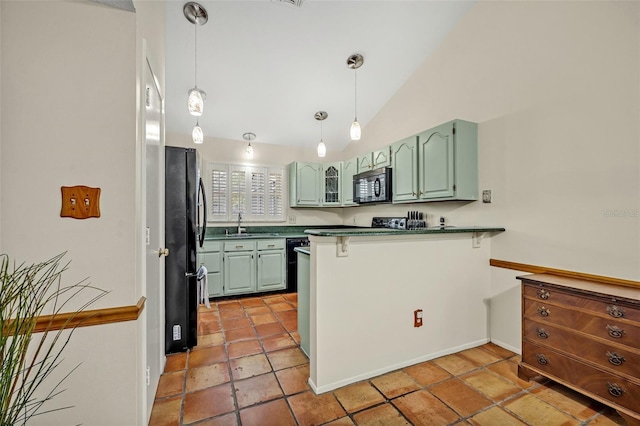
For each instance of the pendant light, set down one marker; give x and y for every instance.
(354, 62)
(248, 153)
(196, 134)
(322, 148)
(197, 15)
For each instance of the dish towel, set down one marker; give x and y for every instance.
(203, 286)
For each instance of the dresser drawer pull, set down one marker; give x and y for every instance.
(542, 333)
(542, 360)
(543, 294)
(544, 312)
(615, 311)
(615, 389)
(615, 332)
(614, 358)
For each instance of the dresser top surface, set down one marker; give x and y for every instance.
(584, 286)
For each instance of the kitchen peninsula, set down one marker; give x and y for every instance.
(367, 284)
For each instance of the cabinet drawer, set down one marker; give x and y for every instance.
(616, 330)
(239, 245)
(603, 384)
(616, 358)
(610, 307)
(211, 246)
(271, 244)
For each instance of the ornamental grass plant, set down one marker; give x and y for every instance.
(36, 327)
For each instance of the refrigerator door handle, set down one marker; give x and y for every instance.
(203, 228)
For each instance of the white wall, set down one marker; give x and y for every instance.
(362, 305)
(555, 89)
(69, 118)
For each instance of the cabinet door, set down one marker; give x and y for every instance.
(331, 190)
(213, 262)
(365, 162)
(239, 272)
(308, 184)
(435, 149)
(271, 270)
(349, 169)
(405, 169)
(382, 158)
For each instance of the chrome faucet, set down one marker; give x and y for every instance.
(240, 228)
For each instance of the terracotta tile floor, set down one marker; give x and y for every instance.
(248, 370)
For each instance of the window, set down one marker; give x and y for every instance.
(255, 192)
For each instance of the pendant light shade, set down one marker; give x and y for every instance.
(197, 15)
(355, 131)
(197, 135)
(248, 153)
(354, 62)
(195, 102)
(322, 148)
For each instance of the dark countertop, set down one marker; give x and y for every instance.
(303, 250)
(360, 232)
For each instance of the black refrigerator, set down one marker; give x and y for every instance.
(185, 226)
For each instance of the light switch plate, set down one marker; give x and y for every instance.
(486, 196)
(80, 202)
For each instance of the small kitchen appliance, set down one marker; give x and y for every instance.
(373, 186)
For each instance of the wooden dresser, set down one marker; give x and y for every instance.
(584, 335)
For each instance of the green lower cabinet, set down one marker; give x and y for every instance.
(239, 272)
(271, 270)
(211, 257)
(213, 262)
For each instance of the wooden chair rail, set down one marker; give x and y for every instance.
(535, 269)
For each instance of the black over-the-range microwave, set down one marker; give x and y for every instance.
(373, 186)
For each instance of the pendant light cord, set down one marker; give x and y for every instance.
(196, 53)
(355, 89)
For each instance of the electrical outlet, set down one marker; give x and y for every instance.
(292, 220)
(486, 196)
(353, 220)
(417, 318)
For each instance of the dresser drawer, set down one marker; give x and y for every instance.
(616, 358)
(607, 306)
(616, 330)
(603, 384)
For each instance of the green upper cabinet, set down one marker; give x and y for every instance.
(448, 162)
(405, 169)
(331, 188)
(382, 158)
(365, 162)
(349, 169)
(304, 184)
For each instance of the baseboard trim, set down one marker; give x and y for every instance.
(90, 317)
(536, 269)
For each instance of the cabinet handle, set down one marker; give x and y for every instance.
(615, 389)
(543, 294)
(271, 245)
(544, 312)
(614, 358)
(615, 332)
(542, 333)
(615, 311)
(542, 360)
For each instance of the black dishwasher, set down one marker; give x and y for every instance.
(292, 262)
